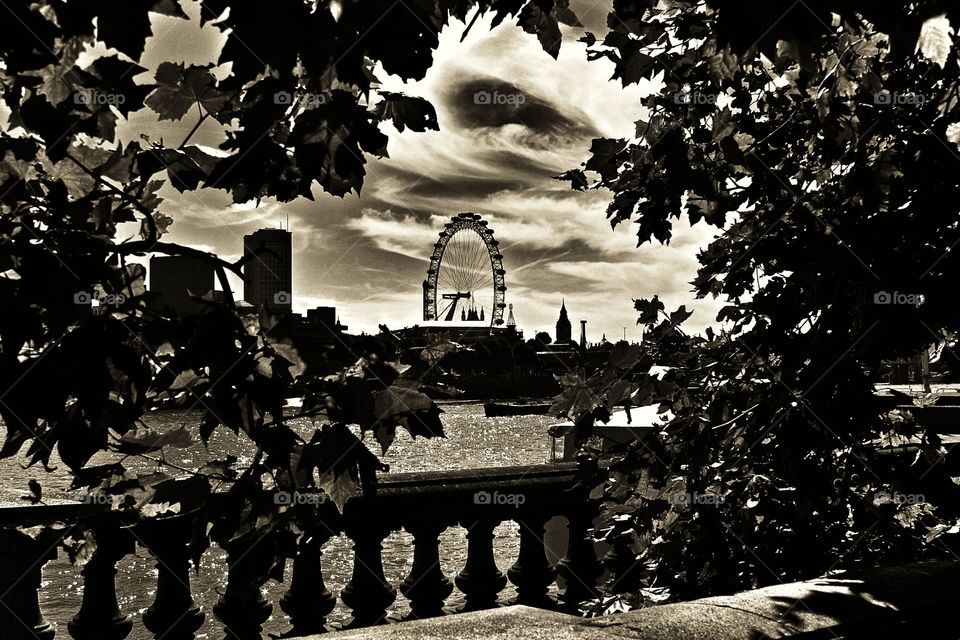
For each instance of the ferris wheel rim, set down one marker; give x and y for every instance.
(466, 222)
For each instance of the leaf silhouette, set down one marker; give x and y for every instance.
(146, 440)
(407, 112)
(179, 89)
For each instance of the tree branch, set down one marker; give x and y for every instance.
(153, 235)
(203, 116)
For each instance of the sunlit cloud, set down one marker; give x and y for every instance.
(367, 255)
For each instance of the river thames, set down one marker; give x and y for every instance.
(473, 441)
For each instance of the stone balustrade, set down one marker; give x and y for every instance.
(423, 504)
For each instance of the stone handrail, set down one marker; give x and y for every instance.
(423, 504)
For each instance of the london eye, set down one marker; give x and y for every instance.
(465, 279)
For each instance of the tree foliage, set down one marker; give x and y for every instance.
(296, 91)
(816, 139)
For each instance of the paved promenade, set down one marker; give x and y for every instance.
(917, 600)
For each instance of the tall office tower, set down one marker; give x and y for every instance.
(174, 279)
(268, 270)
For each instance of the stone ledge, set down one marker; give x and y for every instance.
(915, 600)
(515, 622)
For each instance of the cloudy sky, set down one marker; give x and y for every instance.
(368, 255)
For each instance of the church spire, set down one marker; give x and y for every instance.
(563, 325)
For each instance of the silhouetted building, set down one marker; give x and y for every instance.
(471, 314)
(174, 279)
(269, 268)
(583, 334)
(325, 318)
(564, 331)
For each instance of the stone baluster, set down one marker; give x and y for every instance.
(308, 601)
(480, 580)
(579, 567)
(99, 616)
(368, 593)
(426, 587)
(532, 573)
(21, 565)
(173, 614)
(242, 609)
(623, 565)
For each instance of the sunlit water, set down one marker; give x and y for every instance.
(473, 441)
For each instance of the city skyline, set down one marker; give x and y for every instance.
(368, 255)
(268, 265)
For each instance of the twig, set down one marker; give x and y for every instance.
(203, 116)
(126, 197)
(197, 472)
(737, 417)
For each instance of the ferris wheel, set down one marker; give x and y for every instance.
(466, 274)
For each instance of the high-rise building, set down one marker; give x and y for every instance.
(583, 334)
(269, 269)
(173, 279)
(563, 326)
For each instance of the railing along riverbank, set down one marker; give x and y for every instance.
(424, 504)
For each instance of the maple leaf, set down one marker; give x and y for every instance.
(340, 487)
(437, 348)
(543, 24)
(723, 66)
(75, 179)
(576, 399)
(953, 133)
(407, 112)
(11, 166)
(179, 89)
(649, 310)
(143, 440)
(578, 180)
(935, 40)
(57, 82)
(80, 549)
(407, 407)
(342, 462)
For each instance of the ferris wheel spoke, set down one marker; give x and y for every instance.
(475, 281)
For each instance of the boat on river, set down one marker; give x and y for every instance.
(498, 409)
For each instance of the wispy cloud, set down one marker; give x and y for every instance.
(368, 255)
